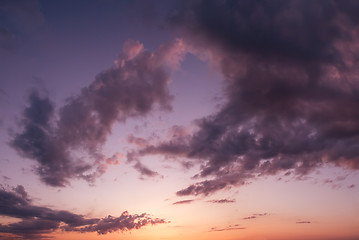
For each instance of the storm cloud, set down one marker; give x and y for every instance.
(290, 86)
(136, 85)
(35, 222)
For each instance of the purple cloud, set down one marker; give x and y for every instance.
(136, 85)
(36, 221)
(288, 70)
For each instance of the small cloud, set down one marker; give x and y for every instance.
(303, 222)
(351, 186)
(6, 178)
(137, 141)
(184, 202)
(229, 228)
(222, 201)
(250, 217)
(144, 170)
(256, 215)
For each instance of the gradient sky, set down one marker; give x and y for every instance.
(198, 120)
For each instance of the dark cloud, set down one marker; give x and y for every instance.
(222, 201)
(303, 222)
(184, 202)
(135, 86)
(36, 221)
(291, 89)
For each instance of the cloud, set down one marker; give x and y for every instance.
(136, 85)
(145, 171)
(222, 201)
(184, 202)
(303, 222)
(210, 201)
(139, 142)
(289, 67)
(36, 221)
(256, 215)
(229, 228)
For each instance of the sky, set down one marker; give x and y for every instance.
(198, 120)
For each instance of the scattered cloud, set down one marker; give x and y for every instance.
(36, 221)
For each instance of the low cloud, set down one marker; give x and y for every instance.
(36, 221)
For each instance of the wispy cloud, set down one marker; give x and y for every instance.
(229, 228)
(184, 202)
(256, 215)
(222, 200)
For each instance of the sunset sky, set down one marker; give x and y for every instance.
(171, 120)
